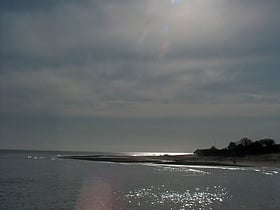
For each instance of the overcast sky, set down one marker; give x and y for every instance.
(149, 75)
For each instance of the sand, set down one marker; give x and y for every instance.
(268, 160)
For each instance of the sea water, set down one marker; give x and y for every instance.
(39, 180)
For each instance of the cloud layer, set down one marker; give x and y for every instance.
(141, 58)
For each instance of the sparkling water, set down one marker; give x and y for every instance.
(39, 180)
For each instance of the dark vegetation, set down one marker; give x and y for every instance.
(243, 147)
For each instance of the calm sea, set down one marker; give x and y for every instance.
(38, 180)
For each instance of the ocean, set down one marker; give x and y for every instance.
(38, 180)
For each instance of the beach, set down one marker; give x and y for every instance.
(267, 160)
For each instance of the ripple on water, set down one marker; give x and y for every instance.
(161, 197)
(187, 171)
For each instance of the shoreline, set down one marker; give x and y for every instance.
(268, 160)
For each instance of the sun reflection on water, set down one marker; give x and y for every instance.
(185, 170)
(162, 197)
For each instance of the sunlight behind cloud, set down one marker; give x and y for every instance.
(148, 58)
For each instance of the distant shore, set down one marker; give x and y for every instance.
(268, 160)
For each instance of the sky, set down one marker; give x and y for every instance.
(149, 75)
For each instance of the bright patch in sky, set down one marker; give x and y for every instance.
(138, 75)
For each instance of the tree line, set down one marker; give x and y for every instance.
(243, 147)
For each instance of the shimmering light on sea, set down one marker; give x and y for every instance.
(162, 197)
(186, 171)
(156, 153)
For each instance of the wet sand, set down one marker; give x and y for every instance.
(268, 160)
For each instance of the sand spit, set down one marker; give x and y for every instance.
(268, 160)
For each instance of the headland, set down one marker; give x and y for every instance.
(244, 153)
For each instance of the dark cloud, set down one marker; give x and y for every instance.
(126, 59)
